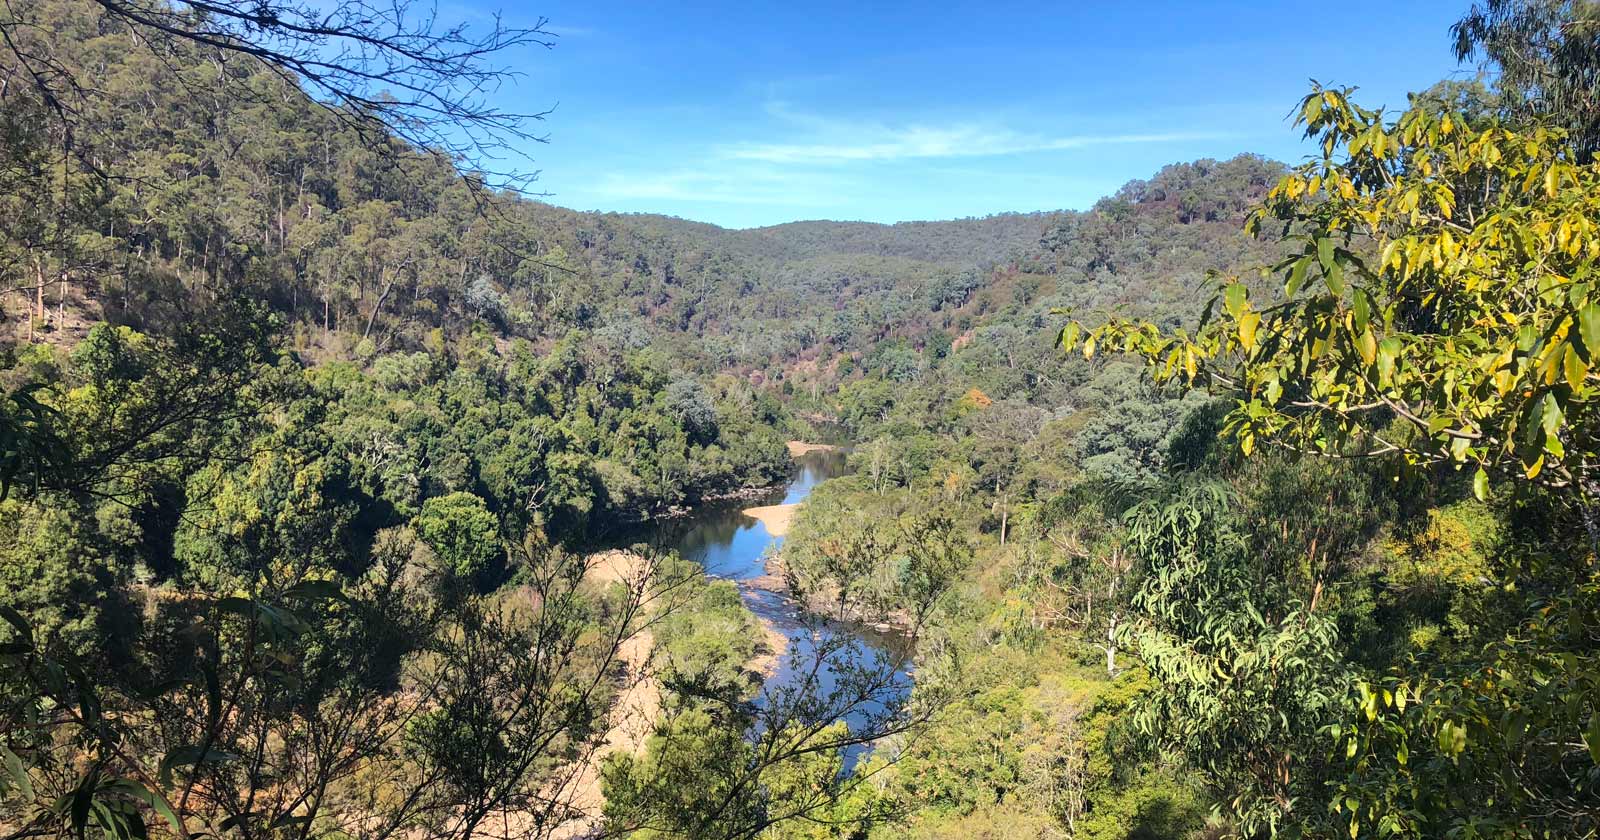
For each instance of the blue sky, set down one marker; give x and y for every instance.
(746, 114)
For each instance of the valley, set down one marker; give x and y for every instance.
(353, 488)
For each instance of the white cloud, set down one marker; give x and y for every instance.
(878, 143)
(812, 171)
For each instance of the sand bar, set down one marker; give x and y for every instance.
(776, 517)
(777, 644)
(800, 447)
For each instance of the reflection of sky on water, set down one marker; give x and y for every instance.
(814, 467)
(726, 542)
(731, 545)
(734, 546)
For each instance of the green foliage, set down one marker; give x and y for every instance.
(1131, 427)
(1439, 322)
(1544, 56)
(1504, 744)
(862, 555)
(1245, 678)
(461, 530)
(28, 446)
(1153, 799)
(244, 499)
(1436, 312)
(702, 647)
(362, 695)
(57, 574)
(684, 785)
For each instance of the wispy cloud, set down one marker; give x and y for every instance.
(812, 167)
(824, 139)
(877, 143)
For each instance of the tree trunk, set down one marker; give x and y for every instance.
(1111, 647)
(373, 318)
(1005, 517)
(37, 317)
(1005, 511)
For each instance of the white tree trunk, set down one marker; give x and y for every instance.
(1111, 647)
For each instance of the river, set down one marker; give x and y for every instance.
(734, 546)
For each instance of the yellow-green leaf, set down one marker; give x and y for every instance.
(1367, 346)
(1388, 351)
(1551, 416)
(1334, 277)
(1233, 298)
(1247, 329)
(1452, 738)
(1574, 368)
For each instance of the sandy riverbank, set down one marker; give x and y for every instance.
(638, 703)
(632, 717)
(777, 518)
(798, 448)
(639, 699)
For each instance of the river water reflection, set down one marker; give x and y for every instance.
(731, 545)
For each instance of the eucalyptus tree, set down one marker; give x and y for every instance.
(1248, 673)
(1546, 59)
(388, 71)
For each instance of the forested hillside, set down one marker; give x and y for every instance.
(1252, 501)
(363, 251)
